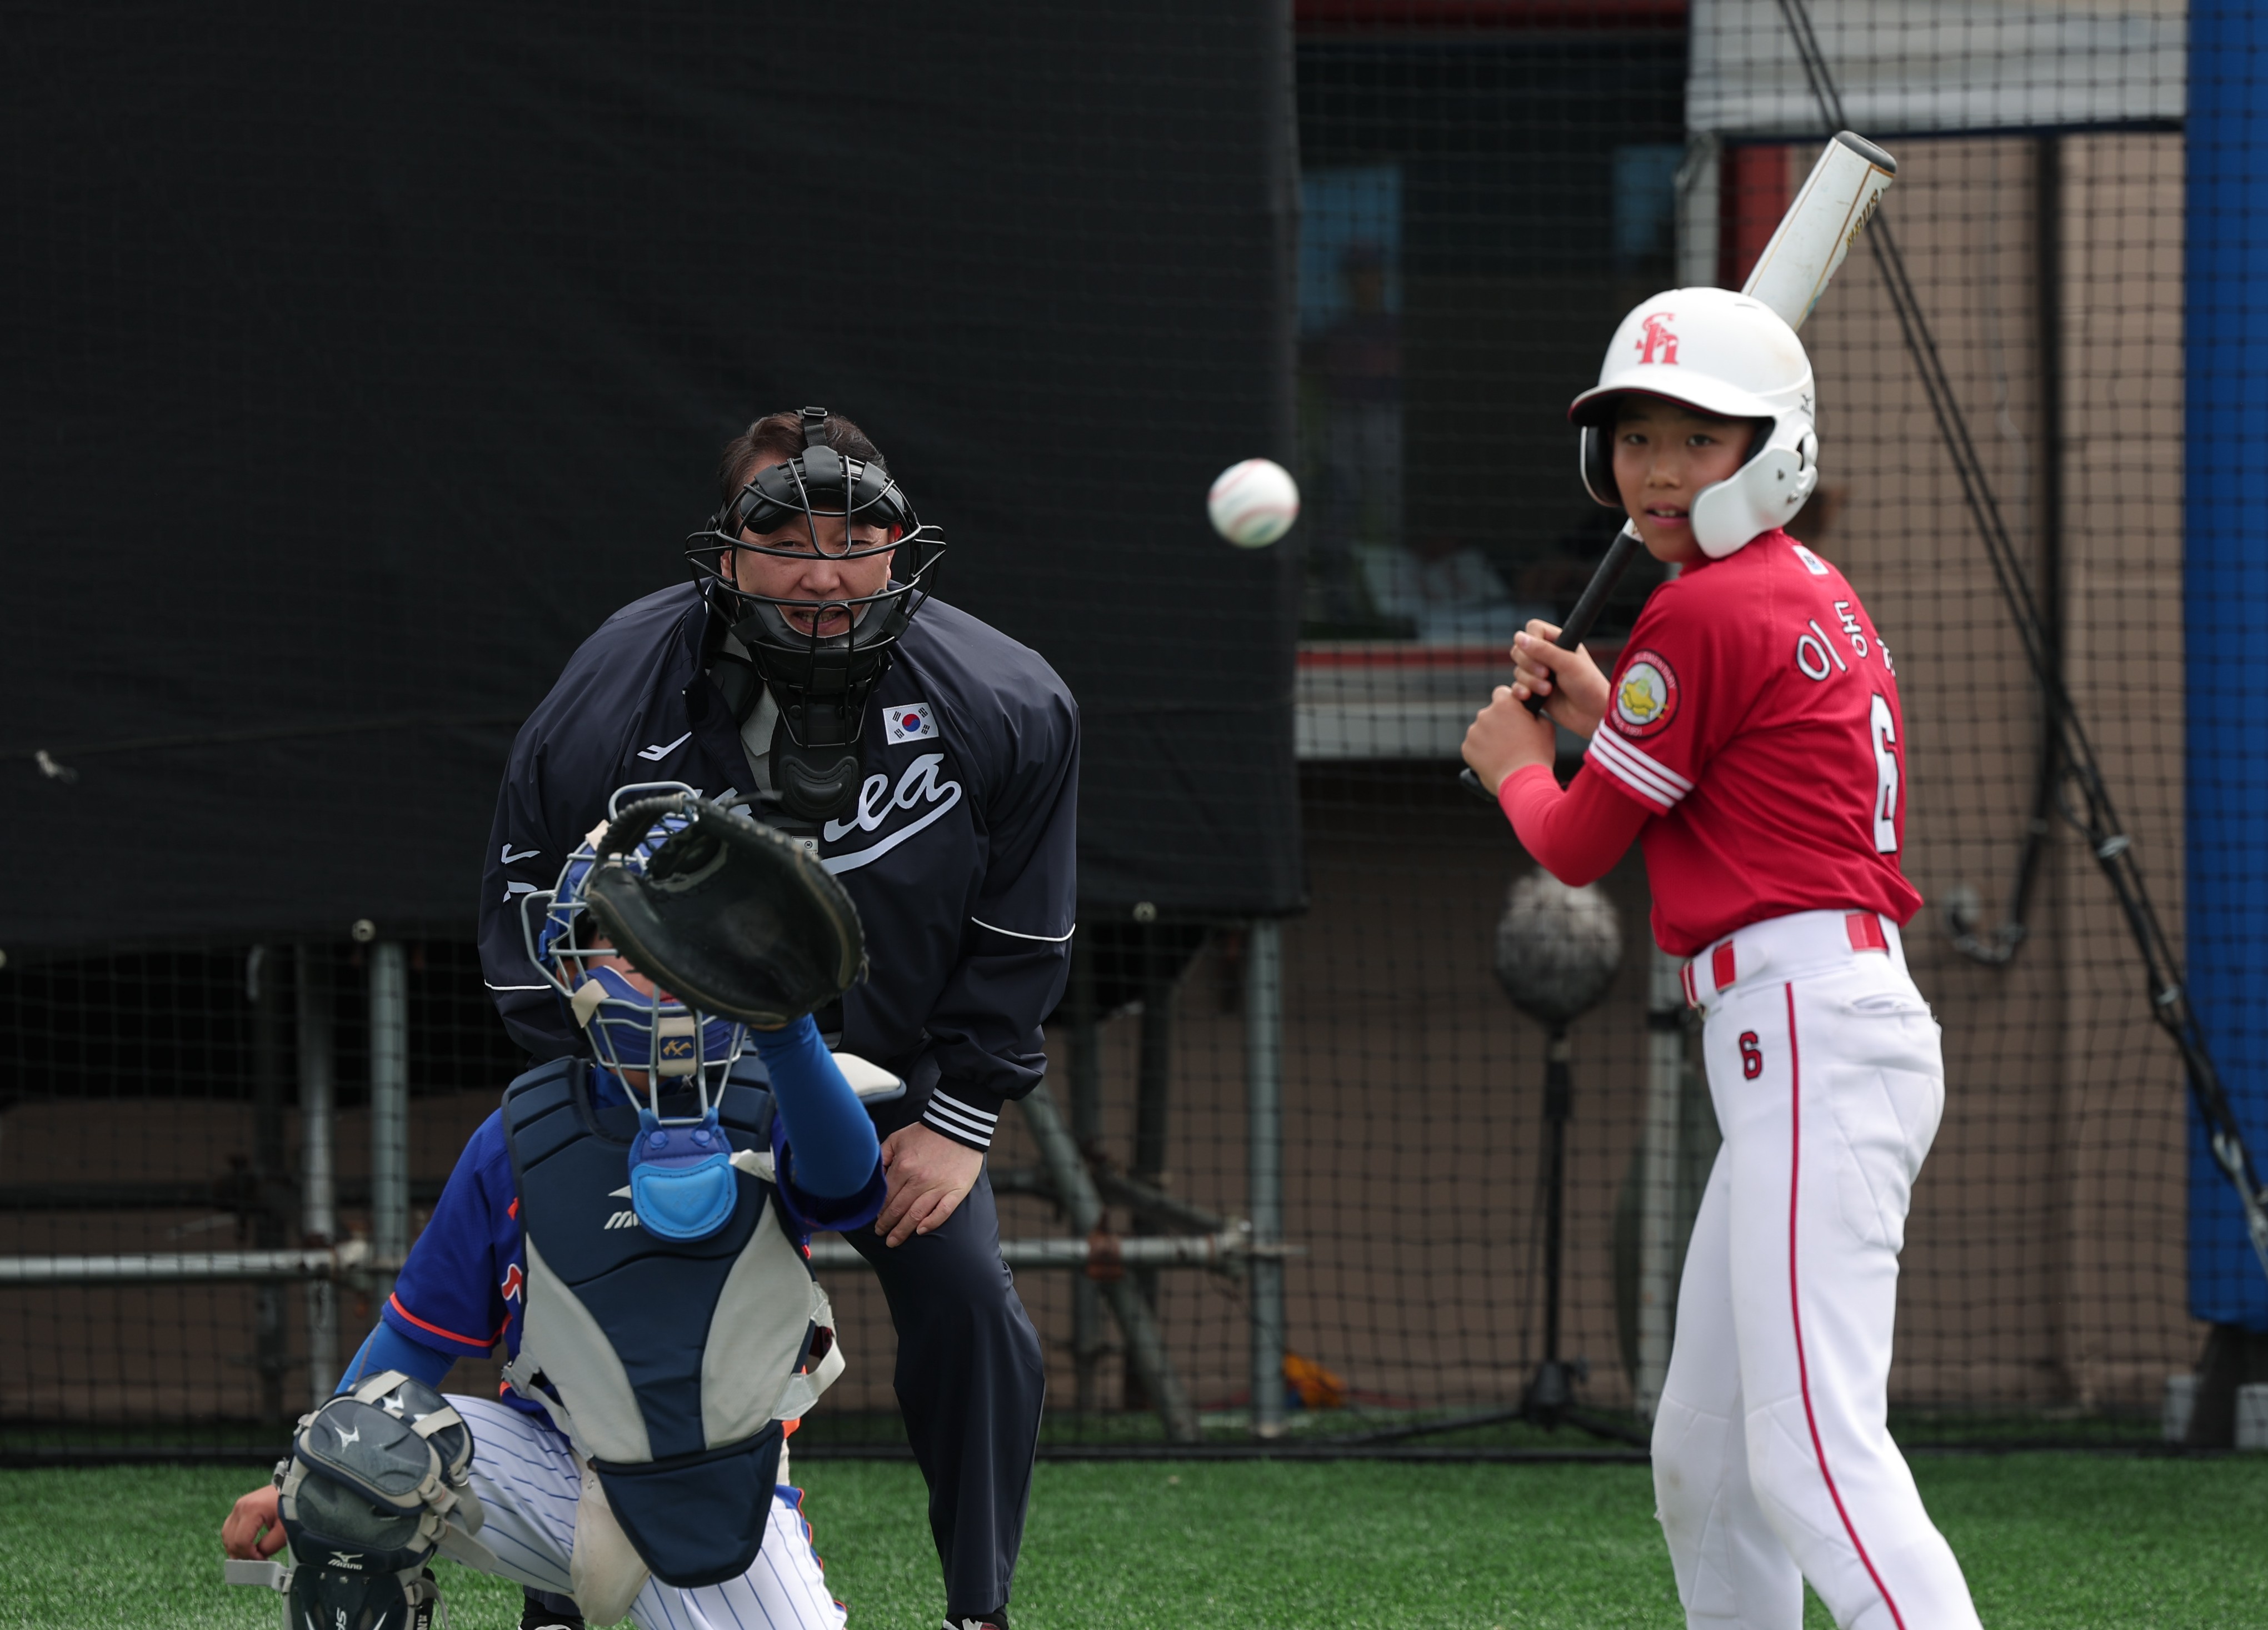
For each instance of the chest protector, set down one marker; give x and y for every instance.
(669, 1364)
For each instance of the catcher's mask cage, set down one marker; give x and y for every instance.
(820, 680)
(629, 1029)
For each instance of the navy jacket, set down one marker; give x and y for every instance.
(960, 853)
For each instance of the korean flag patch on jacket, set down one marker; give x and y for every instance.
(910, 721)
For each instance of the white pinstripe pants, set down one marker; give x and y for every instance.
(527, 1478)
(1772, 1461)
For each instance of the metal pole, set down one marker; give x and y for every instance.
(1278, 111)
(1263, 1074)
(1662, 1218)
(1153, 1075)
(1263, 993)
(389, 1109)
(1700, 204)
(1551, 1390)
(270, 1181)
(1145, 1348)
(1229, 1249)
(1153, 1078)
(228, 1267)
(319, 1220)
(1559, 1091)
(1086, 1340)
(1657, 1216)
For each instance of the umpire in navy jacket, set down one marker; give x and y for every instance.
(934, 763)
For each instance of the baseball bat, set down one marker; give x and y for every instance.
(1831, 209)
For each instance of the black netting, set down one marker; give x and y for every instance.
(2039, 423)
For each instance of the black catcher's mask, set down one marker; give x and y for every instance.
(820, 680)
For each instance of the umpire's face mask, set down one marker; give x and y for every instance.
(813, 591)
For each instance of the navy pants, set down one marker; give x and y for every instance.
(970, 1382)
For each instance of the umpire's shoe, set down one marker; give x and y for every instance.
(996, 1619)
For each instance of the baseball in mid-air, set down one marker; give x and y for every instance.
(1252, 503)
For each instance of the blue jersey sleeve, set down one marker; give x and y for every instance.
(460, 1288)
(387, 1348)
(807, 1213)
(828, 1128)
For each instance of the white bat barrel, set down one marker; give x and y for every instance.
(1837, 200)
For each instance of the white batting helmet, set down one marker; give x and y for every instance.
(1728, 356)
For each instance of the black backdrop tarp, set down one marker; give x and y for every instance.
(359, 362)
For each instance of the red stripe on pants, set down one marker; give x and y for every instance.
(1795, 1301)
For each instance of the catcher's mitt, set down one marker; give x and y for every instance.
(728, 916)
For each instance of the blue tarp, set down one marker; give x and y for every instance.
(2225, 586)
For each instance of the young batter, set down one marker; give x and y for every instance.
(1751, 741)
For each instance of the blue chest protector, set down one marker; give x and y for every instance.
(669, 1364)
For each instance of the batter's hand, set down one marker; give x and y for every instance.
(1573, 689)
(1506, 736)
(253, 1530)
(929, 1175)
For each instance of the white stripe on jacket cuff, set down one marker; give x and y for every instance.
(961, 1122)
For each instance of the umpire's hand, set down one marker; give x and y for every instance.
(929, 1176)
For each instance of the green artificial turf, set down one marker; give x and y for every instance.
(2075, 1542)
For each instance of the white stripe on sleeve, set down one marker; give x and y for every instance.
(1655, 782)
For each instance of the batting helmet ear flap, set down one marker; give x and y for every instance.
(1594, 455)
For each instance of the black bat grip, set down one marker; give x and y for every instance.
(1604, 581)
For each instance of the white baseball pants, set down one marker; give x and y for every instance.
(528, 1481)
(1772, 1461)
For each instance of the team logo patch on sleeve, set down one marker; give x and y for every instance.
(1646, 695)
(908, 721)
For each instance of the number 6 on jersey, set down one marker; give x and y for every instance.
(1884, 732)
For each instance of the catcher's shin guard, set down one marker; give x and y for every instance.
(378, 1481)
(332, 1600)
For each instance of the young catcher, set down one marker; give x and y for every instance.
(632, 1227)
(1750, 740)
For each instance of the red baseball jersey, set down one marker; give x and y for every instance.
(1755, 715)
